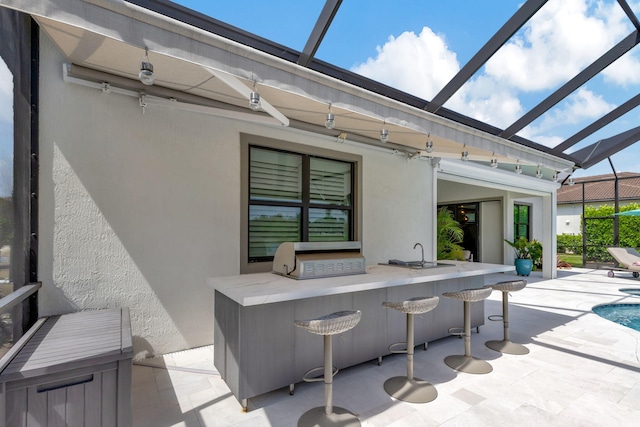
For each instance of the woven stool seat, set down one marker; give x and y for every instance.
(331, 324)
(509, 286)
(470, 295)
(417, 305)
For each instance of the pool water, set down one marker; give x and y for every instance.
(631, 291)
(624, 314)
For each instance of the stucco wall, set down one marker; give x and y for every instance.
(568, 219)
(138, 209)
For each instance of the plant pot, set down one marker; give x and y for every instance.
(524, 266)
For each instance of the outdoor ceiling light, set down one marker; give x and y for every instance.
(538, 173)
(254, 98)
(494, 163)
(429, 147)
(330, 123)
(146, 70)
(384, 135)
(465, 156)
(518, 169)
(254, 101)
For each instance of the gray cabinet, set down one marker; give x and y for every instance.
(70, 370)
(258, 349)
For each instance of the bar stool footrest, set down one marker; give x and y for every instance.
(308, 379)
(496, 317)
(396, 351)
(456, 331)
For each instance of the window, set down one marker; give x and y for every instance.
(521, 221)
(18, 170)
(295, 194)
(296, 197)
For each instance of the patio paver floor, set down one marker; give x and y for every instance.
(582, 370)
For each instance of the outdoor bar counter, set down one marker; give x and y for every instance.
(258, 349)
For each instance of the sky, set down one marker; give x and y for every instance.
(418, 45)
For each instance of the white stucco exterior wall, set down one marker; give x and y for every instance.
(568, 219)
(137, 210)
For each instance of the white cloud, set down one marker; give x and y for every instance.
(625, 71)
(485, 99)
(418, 64)
(557, 43)
(563, 38)
(581, 106)
(6, 93)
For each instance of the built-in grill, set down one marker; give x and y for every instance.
(310, 260)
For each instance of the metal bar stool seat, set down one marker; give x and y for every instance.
(327, 326)
(505, 345)
(410, 389)
(467, 363)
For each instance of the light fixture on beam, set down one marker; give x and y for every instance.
(518, 169)
(571, 182)
(254, 98)
(429, 146)
(554, 177)
(465, 156)
(539, 173)
(330, 123)
(384, 135)
(494, 163)
(146, 70)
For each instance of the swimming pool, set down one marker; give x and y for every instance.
(631, 291)
(624, 314)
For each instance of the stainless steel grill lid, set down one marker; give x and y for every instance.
(310, 260)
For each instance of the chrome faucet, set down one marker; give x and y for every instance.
(423, 262)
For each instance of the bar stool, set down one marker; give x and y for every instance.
(327, 326)
(410, 389)
(505, 345)
(467, 363)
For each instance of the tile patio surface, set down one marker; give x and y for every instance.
(582, 370)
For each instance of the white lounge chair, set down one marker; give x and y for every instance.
(628, 260)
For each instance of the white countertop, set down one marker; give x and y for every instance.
(265, 288)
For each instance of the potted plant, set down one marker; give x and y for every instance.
(528, 255)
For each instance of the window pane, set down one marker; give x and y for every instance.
(328, 225)
(523, 231)
(275, 176)
(330, 182)
(6, 199)
(524, 215)
(269, 226)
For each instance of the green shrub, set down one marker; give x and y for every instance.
(599, 230)
(569, 243)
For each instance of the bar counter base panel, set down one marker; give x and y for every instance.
(339, 418)
(412, 391)
(468, 364)
(507, 347)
